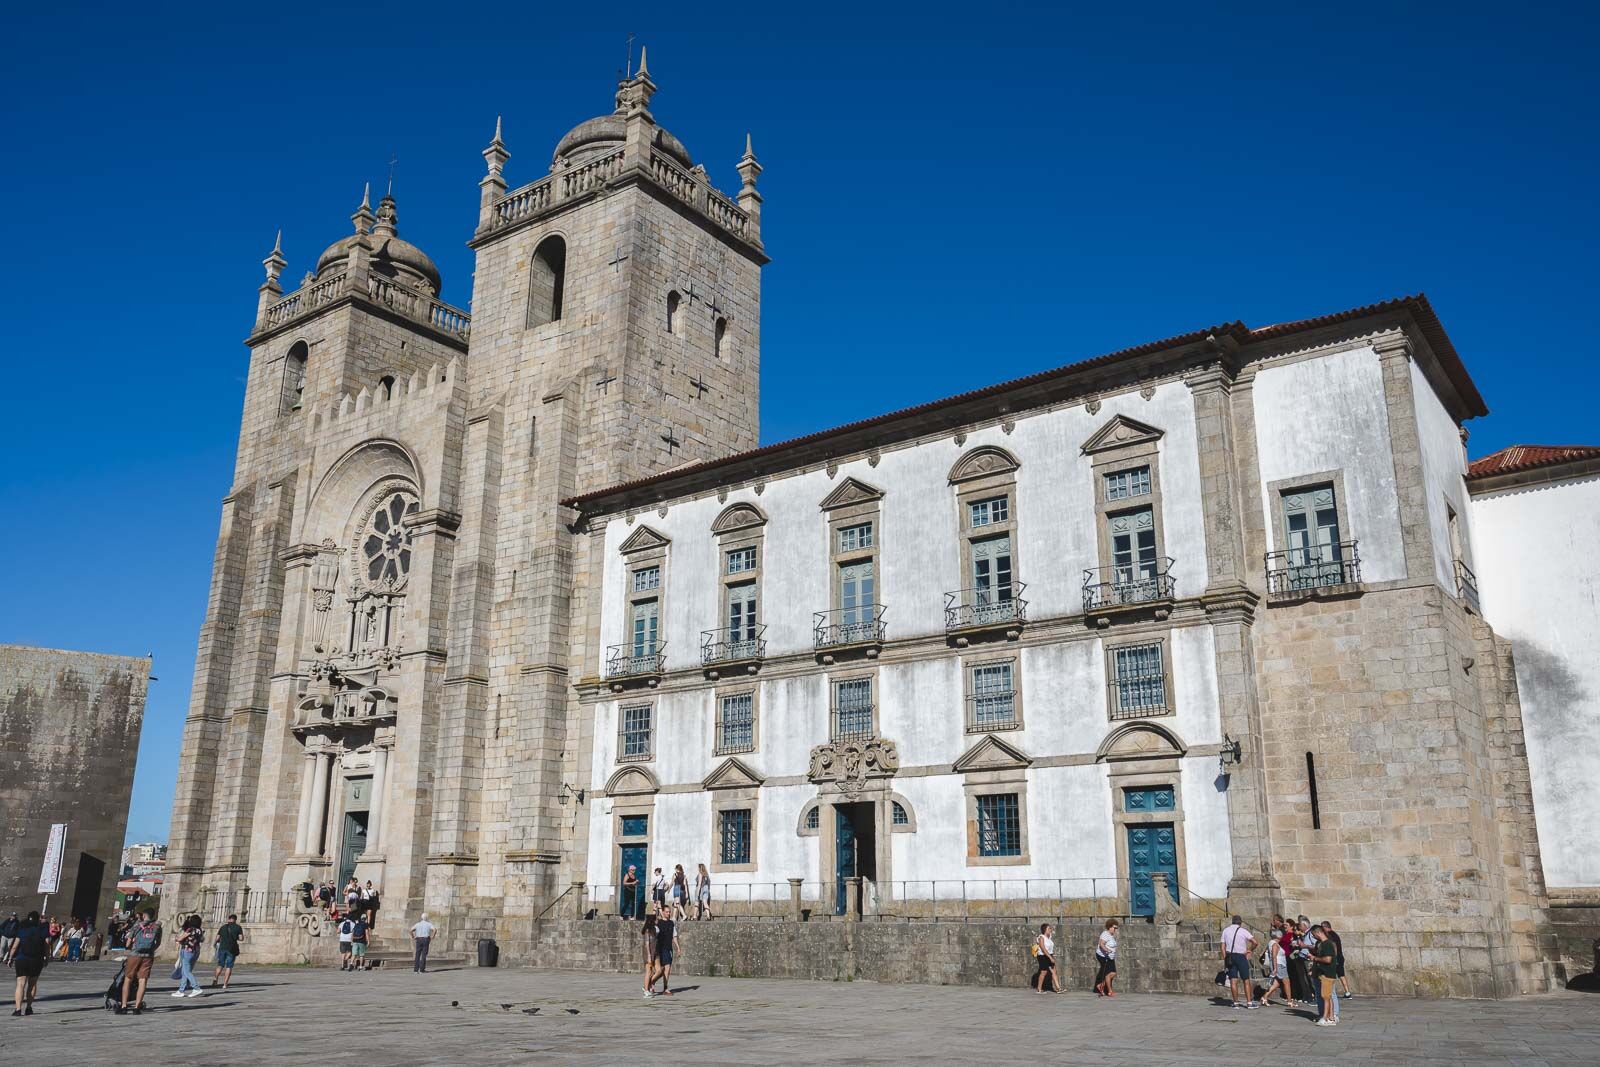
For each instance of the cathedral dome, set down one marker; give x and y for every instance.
(606, 133)
(391, 255)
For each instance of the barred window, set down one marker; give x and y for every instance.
(852, 709)
(898, 814)
(999, 825)
(735, 835)
(1140, 682)
(853, 538)
(814, 817)
(741, 560)
(635, 732)
(736, 724)
(994, 699)
(646, 579)
(1130, 483)
(984, 512)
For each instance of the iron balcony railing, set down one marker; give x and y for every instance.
(1121, 586)
(848, 626)
(733, 644)
(851, 722)
(992, 711)
(623, 662)
(1314, 567)
(972, 608)
(1467, 587)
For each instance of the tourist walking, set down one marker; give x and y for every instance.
(8, 936)
(648, 935)
(1105, 955)
(1277, 966)
(1044, 953)
(658, 889)
(666, 948)
(1325, 965)
(143, 941)
(680, 894)
(421, 937)
(29, 949)
(630, 891)
(190, 939)
(702, 894)
(229, 936)
(347, 932)
(358, 943)
(369, 902)
(1237, 942)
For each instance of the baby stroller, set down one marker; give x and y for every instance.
(114, 990)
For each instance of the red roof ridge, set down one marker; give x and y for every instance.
(1513, 458)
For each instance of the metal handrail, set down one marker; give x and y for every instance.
(974, 607)
(620, 663)
(1467, 587)
(1313, 567)
(849, 626)
(1138, 583)
(729, 645)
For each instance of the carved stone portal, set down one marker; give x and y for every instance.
(852, 763)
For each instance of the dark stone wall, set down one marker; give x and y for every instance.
(1152, 958)
(69, 740)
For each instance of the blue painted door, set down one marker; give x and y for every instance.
(636, 857)
(845, 855)
(1152, 846)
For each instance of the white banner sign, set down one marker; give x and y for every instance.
(50, 874)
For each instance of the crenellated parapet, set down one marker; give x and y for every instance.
(424, 391)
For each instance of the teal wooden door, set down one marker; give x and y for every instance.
(1152, 846)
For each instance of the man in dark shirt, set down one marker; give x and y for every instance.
(1325, 968)
(8, 937)
(229, 934)
(29, 952)
(666, 945)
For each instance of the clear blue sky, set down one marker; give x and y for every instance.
(949, 202)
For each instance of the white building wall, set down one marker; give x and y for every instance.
(1326, 414)
(1444, 469)
(1534, 551)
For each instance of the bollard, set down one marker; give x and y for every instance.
(580, 894)
(852, 898)
(796, 913)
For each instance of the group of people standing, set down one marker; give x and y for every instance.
(353, 900)
(673, 892)
(1303, 961)
(63, 941)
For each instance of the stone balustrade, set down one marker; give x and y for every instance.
(691, 188)
(411, 303)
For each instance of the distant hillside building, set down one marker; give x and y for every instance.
(69, 741)
(504, 606)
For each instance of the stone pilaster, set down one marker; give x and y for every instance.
(1394, 360)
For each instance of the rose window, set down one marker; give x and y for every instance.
(386, 548)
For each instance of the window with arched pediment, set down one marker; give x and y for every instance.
(382, 552)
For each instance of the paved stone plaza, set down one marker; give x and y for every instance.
(283, 1014)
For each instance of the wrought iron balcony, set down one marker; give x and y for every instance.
(851, 722)
(1111, 589)
(1467, 587)
(625, 663)
(986, 609)
(848, 627)
(1313, 571)
(992, 711)
(733, 645)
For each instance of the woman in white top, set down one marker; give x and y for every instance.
(1044, 950)
(702, 894)
(1105, 954)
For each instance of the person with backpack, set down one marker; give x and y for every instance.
(143, 941)
(347, 931)
(229, 934)
(190, 938)
(1044, 953)
(358, 944)
(28, 955)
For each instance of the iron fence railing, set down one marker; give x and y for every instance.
(622, 661)
(1467, 587)
(1125, 586)
(1313, 567)
(733, 644)
(849, 626)
(978, 607)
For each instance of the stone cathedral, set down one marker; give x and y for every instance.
(508, 603)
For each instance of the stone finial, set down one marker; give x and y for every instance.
(633, 95)
(363, 217)
(749, 199)
(496, 155)
(275, 262)
(388, 218)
